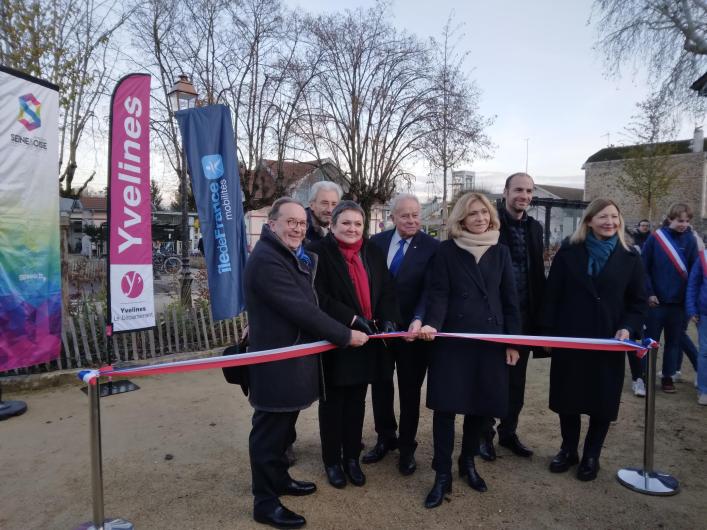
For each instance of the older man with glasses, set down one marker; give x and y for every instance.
(283, 311)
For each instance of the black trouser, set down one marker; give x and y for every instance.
(411, 360)
(635, 365)
(570, 425)
(341, 422)
(443, 436)
(268, 442)
(516, 398)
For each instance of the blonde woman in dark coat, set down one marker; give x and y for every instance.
(595, 289)
(472, 290)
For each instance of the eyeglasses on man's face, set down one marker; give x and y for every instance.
(295, 223)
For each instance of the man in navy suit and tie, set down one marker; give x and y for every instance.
(409, 252)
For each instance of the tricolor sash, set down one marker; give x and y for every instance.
(672, 251)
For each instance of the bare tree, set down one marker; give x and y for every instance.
(368, 105)
(244, 54)
(648, 173)
(456, 128)
(67, 43)
(156, 198)
(668, 36)
(157, 31)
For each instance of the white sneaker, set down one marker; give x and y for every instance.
(702, 400)
(639, 388)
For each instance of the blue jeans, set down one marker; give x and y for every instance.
(687, 347)
(671, 319)
(702, 360)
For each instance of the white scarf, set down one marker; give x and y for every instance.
(477, 244)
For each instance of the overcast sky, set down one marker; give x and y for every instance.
(540, 77)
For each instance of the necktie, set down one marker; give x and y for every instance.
(398, 258)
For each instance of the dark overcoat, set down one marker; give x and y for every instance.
(577, 305)
(283, 311)
(410, 282)
(470, 377)
(371, 362)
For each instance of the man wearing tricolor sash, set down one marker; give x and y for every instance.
(668, 255)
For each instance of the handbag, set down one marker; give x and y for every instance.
(237, 375)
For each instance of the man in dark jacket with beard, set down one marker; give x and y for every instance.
(523, 236)
(283, 311)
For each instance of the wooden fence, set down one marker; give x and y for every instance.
(84, 342)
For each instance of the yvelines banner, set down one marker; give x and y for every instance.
(30, 264)
(207, 136)
(130, 289)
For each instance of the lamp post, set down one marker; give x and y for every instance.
(183, 96)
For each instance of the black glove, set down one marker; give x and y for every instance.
(361, 324)
(388, 327)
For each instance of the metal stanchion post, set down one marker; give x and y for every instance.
(99, 521)
(647, 480)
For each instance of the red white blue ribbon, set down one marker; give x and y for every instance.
(302, 350)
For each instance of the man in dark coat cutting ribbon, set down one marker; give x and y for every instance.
(283, 311)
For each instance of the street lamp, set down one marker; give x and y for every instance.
(183, 96)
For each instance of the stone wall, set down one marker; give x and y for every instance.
(601, 180)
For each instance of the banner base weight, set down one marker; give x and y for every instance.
(650, 483)
(111, 388)
(108, 524)
(8, 409)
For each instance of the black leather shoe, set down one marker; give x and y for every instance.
(515, 445)
(442, 485)
(407, 464)
(588, 469)
(299, 488)
(280, 517)
(336, 476)
(353, 472)
(563, 461)
(467, 469)
(486, 449)
(380, 450)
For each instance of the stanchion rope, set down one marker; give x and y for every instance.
(302, 350)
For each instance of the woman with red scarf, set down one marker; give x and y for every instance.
(355, 288)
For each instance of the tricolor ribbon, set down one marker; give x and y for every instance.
(302, 350)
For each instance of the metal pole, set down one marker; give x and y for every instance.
(94, 397)
(99, 520)
(649, 427)
(185, 272)
(647, 480)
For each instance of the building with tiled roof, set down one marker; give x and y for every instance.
(603, 169)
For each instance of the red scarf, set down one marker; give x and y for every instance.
(358, 275)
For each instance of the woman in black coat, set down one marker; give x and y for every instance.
(354, 287)
(595, 289)
(472, 291)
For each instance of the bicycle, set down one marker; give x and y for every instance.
(170, 264)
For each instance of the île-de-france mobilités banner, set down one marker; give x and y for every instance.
(207, 137)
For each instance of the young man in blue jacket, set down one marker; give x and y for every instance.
(668, 256)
